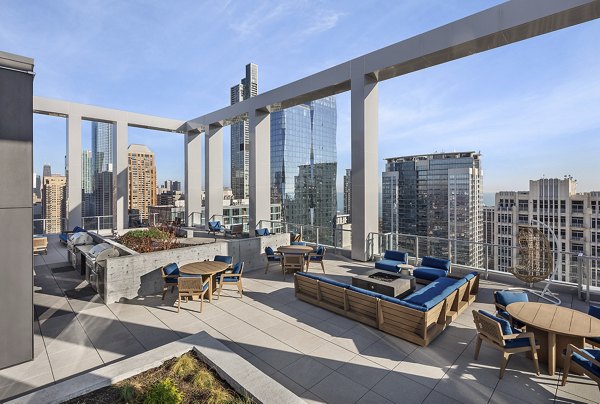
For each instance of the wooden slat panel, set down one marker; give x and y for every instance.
(545, 316)
(581, 324)
(562, 319)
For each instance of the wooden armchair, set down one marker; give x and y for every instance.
(192, 287)
(316, 257)
(586, 361)
(170, 275)
(293, 263)
(498, 333)
(40, 245)
(272, 256)
(232, 277)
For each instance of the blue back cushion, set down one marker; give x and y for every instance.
(78, 229)
(395, 255)
(320, 250)
(262, 232)
(505, 325)
(298, 243)
(223, 258)
(435, 292)
(594, 311)
(237, 268)
(214, 225)
(586, 363)
(506, 297)
(269, 251)
(432, 262)
(325, 280)
(171, 269)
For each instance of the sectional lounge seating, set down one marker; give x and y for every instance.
(418, 318)
(431, 269)
(391, 259)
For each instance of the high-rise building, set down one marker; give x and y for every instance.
(240, 134)
(102, 183)
(489, 227)
(304, 162)
(47, 172)
(573, 217)
(37, 187)
(348, 194)
(142, 179)
(436, 195)
(87, 183)
(54, 203)
(176, 186)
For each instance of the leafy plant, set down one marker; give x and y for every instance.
(148, 240)
(163, 392)
(129, 393)
(184, 366)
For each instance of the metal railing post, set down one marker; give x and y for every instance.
(588, 282)
(317, 236)
(580, 276)
(98, 223)
(416, 250)
(301, 233)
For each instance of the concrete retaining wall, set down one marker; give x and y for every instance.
(139, 275)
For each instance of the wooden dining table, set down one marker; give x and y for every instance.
(295, 249)
(554, 327)
(204, 268)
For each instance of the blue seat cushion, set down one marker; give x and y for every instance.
(269, 251)
(320, 250)
(78, 229)
(506, 297)
(171, 269)
(402, 257)
(435, 292)
(64, 237)
(229, 279)
(387, 265)
(596, 340)
(517, 343)
(223, 258)
(439, 263)
(504, 324)
(317, 258)
(322, 279)
(428, 273)
(585, 363)
(171, 280)
(594, 311)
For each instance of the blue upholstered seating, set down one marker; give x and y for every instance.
(435, 292)
(215, 227)
(262, 232)
(233, 277)
(391, 259)
(594, 311)
(586, 363)
(503, 298)
(325, 280)
(317, 257)
(223, 258)
(298, 243)
(432, 268)
(583, 360)
(271, 257)
(170, 275)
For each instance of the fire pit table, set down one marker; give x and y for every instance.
(386, 283)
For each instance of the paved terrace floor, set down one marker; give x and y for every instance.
(319, 355)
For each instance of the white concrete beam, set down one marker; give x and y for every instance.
(73, 171)
(364, 127)
(193, 176)
(120, 176)
(260, 168)
(213, 149)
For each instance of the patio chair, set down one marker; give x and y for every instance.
(192, 286)
(272, 256)
(215, 227)
(316, 257)
(224, 258)
(298, 243)
(261, 232)
(498, 333)
(170, 275)
(594, 311)
(292, 262)
(586, 361)
(40, 245)
(231, 277)
(503, 298)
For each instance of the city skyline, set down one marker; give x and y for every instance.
(527, 89)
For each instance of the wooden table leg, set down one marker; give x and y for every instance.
(210, 288)
(551, 353)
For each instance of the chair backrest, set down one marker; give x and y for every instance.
(261, 232)
(223, 258)
(170, 269)
(396, 255)
(506, 297)
(269, 251)
(298, 243)
(215, 225)
(320, 250)
(190, 285)
(238, 268)
(490, 326)
(594, 311)
(439, 263)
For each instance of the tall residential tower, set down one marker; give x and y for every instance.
(142, 179)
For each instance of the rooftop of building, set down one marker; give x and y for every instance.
(434, 156)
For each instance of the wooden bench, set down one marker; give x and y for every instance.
(403, 320)
(40, 245)
(235, 230)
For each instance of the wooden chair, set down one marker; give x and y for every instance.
(498, 333)
(293, 263)
(189, 286)
(40, 245)
(231, 277)
(503, 298)
(316, 257)
(586, 361)
(170, 275)
(594, 311)
(272, 256)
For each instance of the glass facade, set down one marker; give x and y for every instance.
(102, 154)
(304, 162)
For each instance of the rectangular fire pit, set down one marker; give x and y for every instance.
(386, 283)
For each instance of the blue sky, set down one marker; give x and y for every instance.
(530, 108)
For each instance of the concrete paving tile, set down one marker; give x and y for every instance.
(256, 341)
(337, 388)
(285, 331)
(287, 383)
(311, 398)
(400, 389)
(332, 355)
(464, 390)
(437, 398)
(386, 352)
(358, 338)
(427, 375)
(279, 355)
(261, 365)
(373, 398)
(564, 397)
(25, 384)
(306, 372)
(76, 366)
(304, 341)
(502, 398)
(528, 387)
(363, 371)
(579, 386)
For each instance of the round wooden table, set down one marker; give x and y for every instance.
(554, 327)
(204, 268)
(295, 249)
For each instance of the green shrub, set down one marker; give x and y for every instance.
(164, 392)
(184, 366)
(128, 393)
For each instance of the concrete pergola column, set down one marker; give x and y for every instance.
(260, 168)
(193, 175)
(213, 149)
(74, 203)
(364, 124)
(120, 176)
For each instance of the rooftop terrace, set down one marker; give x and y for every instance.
(316, 354)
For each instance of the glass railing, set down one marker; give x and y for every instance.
(49, 226)
(338, 238)
(97, 223)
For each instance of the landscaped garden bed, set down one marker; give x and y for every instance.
(185, 379)
(152, 239)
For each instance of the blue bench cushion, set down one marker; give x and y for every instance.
(428, 273)
(435, 292)
(171, 280)
(438, 263)
(506, 297)
(171, 269)
(402, 257)
(504, 325)
(298, 243)
(387, 265)
(387, 298)
(322, 279)
(585, 363)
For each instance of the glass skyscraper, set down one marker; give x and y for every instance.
(102, 155)
(304, 162)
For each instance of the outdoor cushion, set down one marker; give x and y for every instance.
(261, 232)
(171, 269)
(237, 268)
(594, 311)
(320, 250)
(64, 237)
(428, 273)
(504, 325)
(325, 280)
(171, 280)
(223, 258)
(396, 256)
(387, 298)
(506, 297)
(387, 265)
(517, 343)
(438, 263)
(471, 275)
(230, 279)
(298, 243)
(269, 251)
(214, 225)
(435, 292)
(366, 292)
(587, 364)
